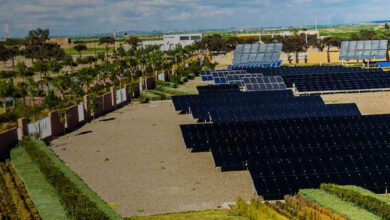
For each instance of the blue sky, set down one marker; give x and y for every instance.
(80, 17)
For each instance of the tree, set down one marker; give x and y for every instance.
(294, 44)
(134, 41)
(387, 26)
(51, 100)
(80, 47)
(68, 61)
(53, 66)
(107, 41)
(86, 76)
(23, 70)
(330, 42)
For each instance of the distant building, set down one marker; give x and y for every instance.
(170, 41)
(310, 34)
(60, 41)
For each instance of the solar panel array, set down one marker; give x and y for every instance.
(264, 83)
(263, 64)
(218, 88)
(208, 75)
(358, 50)
(286, 142)
(335, 82)
(247, 53)
(284, 156)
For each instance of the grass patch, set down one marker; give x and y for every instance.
(172, 91)
(43, 195)
(76, 182)
(332, 202)
(200, 215)
(150, 95)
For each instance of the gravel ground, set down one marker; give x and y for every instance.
(136, 158)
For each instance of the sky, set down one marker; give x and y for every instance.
(88, 17)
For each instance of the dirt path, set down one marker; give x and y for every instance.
(135, 157)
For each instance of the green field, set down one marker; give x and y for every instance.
(201, 215)
(72, 51)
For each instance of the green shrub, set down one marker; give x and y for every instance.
(168, 84)
(172, 91)
(191, 76)
(77, 204)
(150, 95)
(164, 96)
(183, 80)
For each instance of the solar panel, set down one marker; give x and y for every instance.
(370, 49)
(246, 53)
(264, 83)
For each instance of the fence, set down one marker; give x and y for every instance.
(53, 126)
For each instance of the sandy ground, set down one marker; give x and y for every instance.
(136, 157)
(191, 85)
(368, 103)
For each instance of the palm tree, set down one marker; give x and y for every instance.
(134, 41)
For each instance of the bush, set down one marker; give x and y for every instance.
(172, 91)
(256, 210)
(164, 96)
(168, 84)
(150, 95)
(183, 80)
(191, 76)
(76, 203)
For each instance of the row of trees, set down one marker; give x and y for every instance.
(52, 69)
(291, 45)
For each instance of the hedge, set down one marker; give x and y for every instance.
(369, 203)
(150, 96)
(79, 201)
(366, 192)
(172, 90)
(337, 205)
(43, 195)
(168, 84)
(164, 96)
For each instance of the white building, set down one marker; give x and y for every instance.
(170, 41)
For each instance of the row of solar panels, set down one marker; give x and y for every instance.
(359, 50)
(256, 65)
(249, 82)
(247, 53)
(246, 58)
(258, 48)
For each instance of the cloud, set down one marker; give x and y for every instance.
(71, 17)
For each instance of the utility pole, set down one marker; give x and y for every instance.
(115, 40)
(5, 13)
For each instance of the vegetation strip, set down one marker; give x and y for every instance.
(366, 192)
(332, 202)
(76, 203)
(76, 180)
(370, 203)
(43, 195)
(257, 210)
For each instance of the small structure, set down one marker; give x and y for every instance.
(170, 41)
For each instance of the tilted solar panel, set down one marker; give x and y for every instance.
(370, 49)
